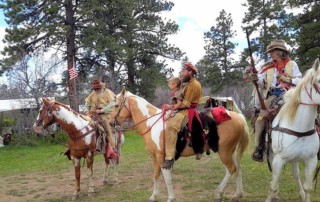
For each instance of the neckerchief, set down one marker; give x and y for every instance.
(279, 65)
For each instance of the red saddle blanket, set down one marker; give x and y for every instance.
(220, 114)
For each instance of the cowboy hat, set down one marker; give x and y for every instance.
(96, 84)
(277, 44)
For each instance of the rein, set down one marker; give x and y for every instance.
(292, 132)
(310, 96)
(295, 133)
(135, 125)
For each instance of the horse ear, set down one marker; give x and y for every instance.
(123, 91)
(46, 101)
(316, 64)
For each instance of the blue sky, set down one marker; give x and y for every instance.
(2, 22)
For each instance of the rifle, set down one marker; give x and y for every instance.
(254, 70)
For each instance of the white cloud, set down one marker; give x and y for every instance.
(195, 17)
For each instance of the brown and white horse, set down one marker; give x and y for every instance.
(81, 137)
(233, 134)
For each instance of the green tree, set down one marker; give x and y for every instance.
(209, 75)
(129, 38)
(35, 25)
(308, 29)
(269, 20)
(219, 49)
(107, 38)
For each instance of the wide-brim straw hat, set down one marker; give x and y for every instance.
(190, 67)
(277, 44)
(96, 84)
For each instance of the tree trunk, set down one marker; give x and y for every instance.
(71, 50)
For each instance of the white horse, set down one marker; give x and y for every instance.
(1, 142)
(294, 137)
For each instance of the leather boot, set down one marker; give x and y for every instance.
(112, 153)
(257, 155)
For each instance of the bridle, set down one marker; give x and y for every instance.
(48, 113)
(301, 134)
(317, 89)
(123, 104)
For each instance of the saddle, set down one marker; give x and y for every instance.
(101, 130)
(208, 119)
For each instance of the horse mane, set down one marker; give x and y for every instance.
(292, 97)
(64, 105)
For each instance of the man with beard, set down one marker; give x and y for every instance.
(191, 93)
(100, 103)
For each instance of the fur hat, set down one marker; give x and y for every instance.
(97, 84)
(190, 67)
(277, 44)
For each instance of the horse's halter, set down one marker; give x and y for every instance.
(317, 89)
(45, 114)
(122, 104)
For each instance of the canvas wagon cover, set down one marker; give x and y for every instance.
(14, 104)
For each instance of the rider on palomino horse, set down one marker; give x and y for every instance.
(277, 76)
(191, 93)
(98, 105)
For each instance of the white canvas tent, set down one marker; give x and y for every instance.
(14, 104)
(17, 104)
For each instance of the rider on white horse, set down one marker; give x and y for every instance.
(277, 76)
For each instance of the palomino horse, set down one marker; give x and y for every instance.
(81, 137)
(149, 122)
(294, 138)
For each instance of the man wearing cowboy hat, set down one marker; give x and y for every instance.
(191, 93)
(101, 102)
(276, 76)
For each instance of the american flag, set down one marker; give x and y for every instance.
(73, 73)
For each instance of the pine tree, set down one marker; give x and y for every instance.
(36, 25)
(108, 38)
(219, 49)
(269, 20)
(308, 28)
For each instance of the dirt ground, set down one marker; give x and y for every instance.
(60, 187)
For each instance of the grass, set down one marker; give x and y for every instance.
(193, 180)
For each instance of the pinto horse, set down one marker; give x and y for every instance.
(81, 138)
(148, 119)
(293, 133)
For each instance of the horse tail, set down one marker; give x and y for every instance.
(244, 141)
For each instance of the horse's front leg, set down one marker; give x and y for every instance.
(296, 175)
(76, 164)
(156, 175)
(277, 165)
(167, 175)
(309, 170)
(90, 158)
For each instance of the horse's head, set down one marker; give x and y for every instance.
(121, 110)
(316, 69)
(45, 117)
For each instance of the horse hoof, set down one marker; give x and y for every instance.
(275, 200)
(90, 194)
(75, 197)
(235, 199)
(91, 191)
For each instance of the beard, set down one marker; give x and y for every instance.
(186, 79)
(99, 94)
